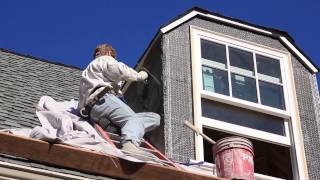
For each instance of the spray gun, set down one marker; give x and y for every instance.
(152, 76)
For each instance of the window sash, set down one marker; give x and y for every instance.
(244, 72)
(249, 132)
(269, 79)
(244, 104)
(243, 117)
(214, 64)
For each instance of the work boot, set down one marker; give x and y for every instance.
(132, 150)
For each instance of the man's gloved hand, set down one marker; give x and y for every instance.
(143, 75)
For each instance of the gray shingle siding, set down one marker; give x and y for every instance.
(177, 91)
(308, 103)
(316, 99)
(23, 80)
(179, 142)
(178, 81)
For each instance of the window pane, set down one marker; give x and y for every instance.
(215, 80)
(271, 95)
(268, 68)
(214, 52)
(243, 117)
(241, 61)
(244, 88)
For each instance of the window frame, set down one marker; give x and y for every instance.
(258, 134)
(280, 56)
(293, 138)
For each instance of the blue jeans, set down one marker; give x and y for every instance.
(133, 125)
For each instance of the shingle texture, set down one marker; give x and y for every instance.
(177, 92)
(309, 109)
(23, 80)
(177, 82)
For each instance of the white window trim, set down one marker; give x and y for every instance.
(249, 132)
(244, 104)
(252, 47)
(298, 156)
(194, 13)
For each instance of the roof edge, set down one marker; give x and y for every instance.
(57, 155)
(271, 32)
(39, 59)
(142, 58)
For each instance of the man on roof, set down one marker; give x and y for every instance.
(99, 94)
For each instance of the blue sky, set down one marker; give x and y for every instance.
(67, 31)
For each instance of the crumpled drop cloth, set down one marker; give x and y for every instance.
(59, 125)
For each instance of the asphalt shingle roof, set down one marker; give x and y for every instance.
(24, 79)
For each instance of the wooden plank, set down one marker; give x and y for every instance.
(88, 161)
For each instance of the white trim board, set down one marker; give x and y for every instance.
(194, 13)
(293, 138)
(22, 172)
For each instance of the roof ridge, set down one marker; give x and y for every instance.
(39, 59)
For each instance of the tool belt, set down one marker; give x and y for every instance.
(85, 111)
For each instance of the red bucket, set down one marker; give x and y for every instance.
(234, 158)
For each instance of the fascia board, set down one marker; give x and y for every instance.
(25, 171)
(195, 13)
(179, 21)
(299, 54)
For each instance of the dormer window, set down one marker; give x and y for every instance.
(242, 88)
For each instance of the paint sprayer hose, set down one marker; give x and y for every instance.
(152, 76)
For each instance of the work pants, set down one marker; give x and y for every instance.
(133, 125)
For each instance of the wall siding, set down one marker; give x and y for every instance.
(178, 82)
(308, 103)
(178, 92)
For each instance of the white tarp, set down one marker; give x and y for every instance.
(59, 125)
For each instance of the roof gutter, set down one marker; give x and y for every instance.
(23, 172)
